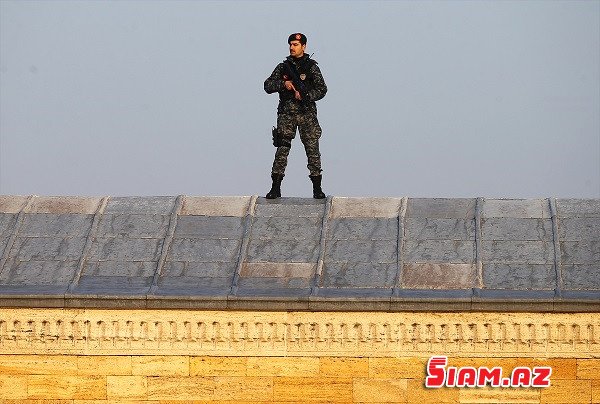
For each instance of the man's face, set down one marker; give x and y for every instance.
(296, 49)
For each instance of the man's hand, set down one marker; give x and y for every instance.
(297, 95)
(289, 85)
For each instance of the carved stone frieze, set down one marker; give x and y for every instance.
(245, 333)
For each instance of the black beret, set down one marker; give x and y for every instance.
(297, 37)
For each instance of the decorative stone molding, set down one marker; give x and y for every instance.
(236, 333)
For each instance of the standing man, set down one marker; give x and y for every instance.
(299, 82)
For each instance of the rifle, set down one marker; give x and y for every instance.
(299, 85)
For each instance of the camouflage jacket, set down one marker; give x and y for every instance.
(313, 80)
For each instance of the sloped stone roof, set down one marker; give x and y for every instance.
(388, 254)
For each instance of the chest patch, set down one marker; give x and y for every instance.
(303, 76)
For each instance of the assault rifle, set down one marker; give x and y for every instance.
(299, 85)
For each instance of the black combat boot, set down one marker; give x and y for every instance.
(317, 191)
(275, 191)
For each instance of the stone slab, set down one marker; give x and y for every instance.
(53, 225)
(47, 248)
(287, 227)
(376, 251)
(45, 272)
(286, 210)
(265, 292)
(113, 285)
(120, 268)
(382, 294)
(192, 269)
(145, 205)
(204, 250)
(358, 274)
(438, 276)
(209, 227)
(580, 252)
(64, 204)
(255, 301)
(365, 207)
(3, 244)
(516, 229)
(519, 276)
(133, 225)
(278, 269)
(422, 228)
(579, 229)
(439, 251)
(7, 224)
(578, 207)
(125, 249)
(531, 252)
(581, 277)
(362, 228)
(274, 282)
(195, 284)
(260, 250)
(441, 208)
(12, 204)
(233, 206)
(516, 208)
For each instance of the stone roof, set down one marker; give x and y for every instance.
(384, 254)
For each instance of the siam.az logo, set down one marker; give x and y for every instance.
(439, 375)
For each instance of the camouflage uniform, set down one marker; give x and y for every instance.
(292, 113)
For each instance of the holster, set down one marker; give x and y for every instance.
(278, 140)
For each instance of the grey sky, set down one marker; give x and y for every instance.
(426, 99)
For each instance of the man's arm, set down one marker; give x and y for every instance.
(320, 88)
(274, 83)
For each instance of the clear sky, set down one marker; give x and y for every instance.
(426, 98)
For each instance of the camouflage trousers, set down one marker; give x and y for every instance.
(310, 132)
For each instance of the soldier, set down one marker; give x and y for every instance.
(299, 82)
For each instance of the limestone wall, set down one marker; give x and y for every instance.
(89, 355)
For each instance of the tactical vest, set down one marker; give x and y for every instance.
(303, 67)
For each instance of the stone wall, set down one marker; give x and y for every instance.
(85, 355)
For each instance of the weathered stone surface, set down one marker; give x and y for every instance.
(363, 228)
(193, 284)
(578, 207)
(439, 251)
(126, 249)
(438, 276)
(516, 229)
(209, 227)
(109, 285)
(266, 210)
(581, 277)
(376, 251)
(365, 207)
(519, 276)
(133, 225)
(352, 274)
(532, 252)
(235, 206)
(204, 250)
(292, 250)
(44, 272)
(64, 204)
(516, 208)
(7, 224)
(579, 229)
(198, 269)
(580, 252)
(441, 208)
(287, 227)
(273, 282)
(12, 204)
(3, 244)
(120, 268)
(155, 205)
(47, 248)
(278, 269)
(422, 228)
(54, 225)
